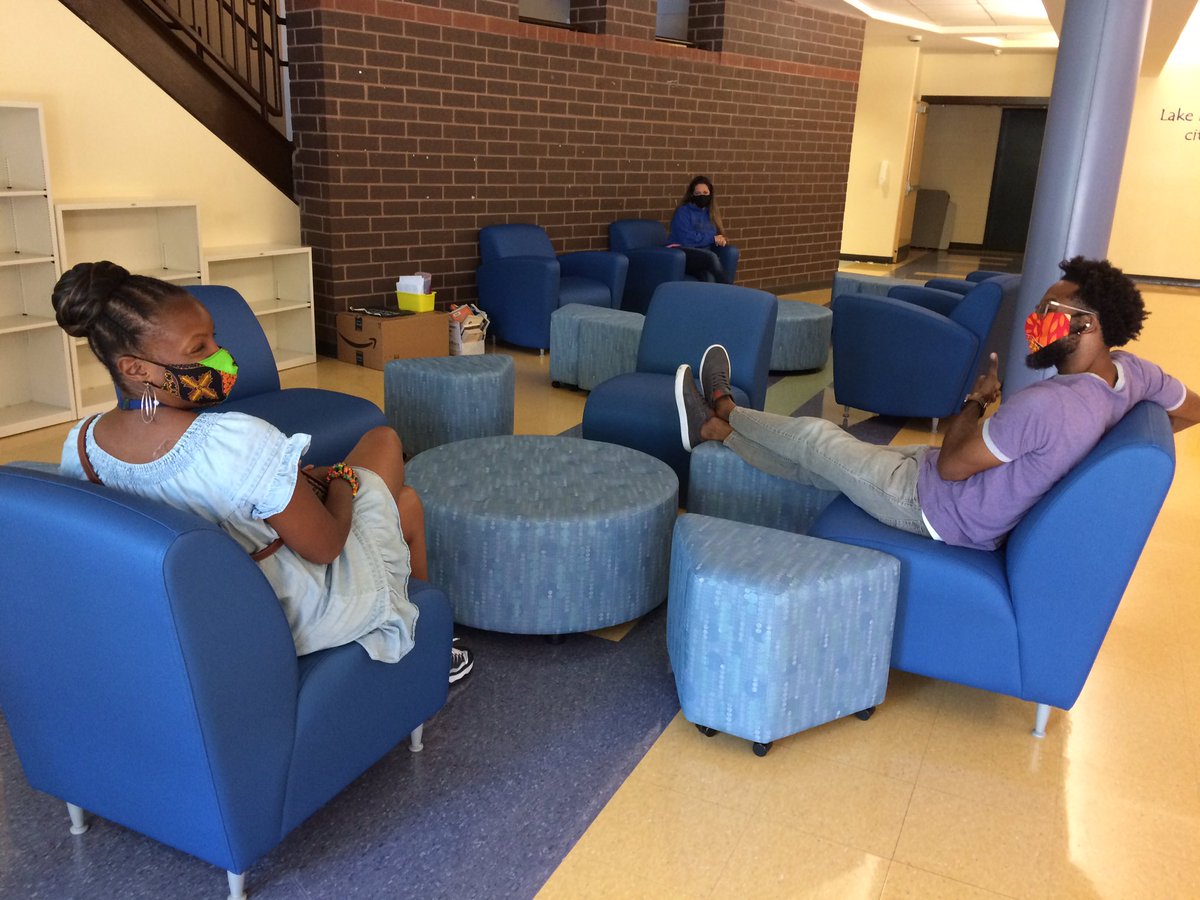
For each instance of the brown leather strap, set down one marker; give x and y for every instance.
(268, 550)
(83, 457)
(257, 556)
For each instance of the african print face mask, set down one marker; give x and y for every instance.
(204, 383)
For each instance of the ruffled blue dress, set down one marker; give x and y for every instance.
(236, 471)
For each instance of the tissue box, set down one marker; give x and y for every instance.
(416, 302)
(373, 341)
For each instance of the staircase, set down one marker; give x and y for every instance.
(219, 59)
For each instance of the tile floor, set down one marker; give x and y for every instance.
(943, 793)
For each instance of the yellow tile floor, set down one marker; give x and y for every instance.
(943, 793)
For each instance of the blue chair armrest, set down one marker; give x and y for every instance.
(942, 302)
(978, 309)
(604, 266)
(953, 285)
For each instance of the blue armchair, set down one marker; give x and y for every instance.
(154, 681)
(638, 409)
(915, 353)
(521, 281)
(652, 262)
(335, 420)
(1003, 621)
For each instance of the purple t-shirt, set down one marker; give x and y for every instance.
(1039, 434)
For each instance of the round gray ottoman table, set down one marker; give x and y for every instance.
(532, 534)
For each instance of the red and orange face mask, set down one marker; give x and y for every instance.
(1043, 329)
(1051, 322)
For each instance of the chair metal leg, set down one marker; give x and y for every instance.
(934, 425)
(1043, 716)
(237, 886)
(78, 823)
(845, 417)
(414, 739)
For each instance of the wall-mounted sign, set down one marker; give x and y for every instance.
(1182, 116)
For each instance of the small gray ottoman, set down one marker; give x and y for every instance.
(770, 633)
(439, 399)
(590, 344)
(608, 346)
(802, 332)
(532, 534)
(722, 484)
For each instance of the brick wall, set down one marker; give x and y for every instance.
(418, 123)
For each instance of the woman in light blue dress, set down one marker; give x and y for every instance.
(336, 544)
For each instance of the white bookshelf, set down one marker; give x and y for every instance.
(159, 238)
(276, 281)
(35, 367)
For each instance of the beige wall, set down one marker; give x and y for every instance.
(891, 77)
(986, 75)
(113, 134)
(960, 152)
(882, 133)
(1156, 228)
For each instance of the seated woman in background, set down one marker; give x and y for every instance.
(696, 230)
(336, 544)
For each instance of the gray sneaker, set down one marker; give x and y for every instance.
(693, 411)
(714, 374)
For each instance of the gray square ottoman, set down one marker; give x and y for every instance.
(770, 633)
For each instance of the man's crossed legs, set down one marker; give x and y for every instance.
(882, 481)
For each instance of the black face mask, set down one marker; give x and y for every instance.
(701, 200)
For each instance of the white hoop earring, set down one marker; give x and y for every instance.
(149, 402)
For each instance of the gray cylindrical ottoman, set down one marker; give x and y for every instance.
(546, 535)
(439, 399)
(802, 332)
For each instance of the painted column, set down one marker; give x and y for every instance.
(1087, 125)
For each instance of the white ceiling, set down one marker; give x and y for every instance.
(982, 26)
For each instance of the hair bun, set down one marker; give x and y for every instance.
(83, 293)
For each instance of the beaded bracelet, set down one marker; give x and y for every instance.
(346, 473)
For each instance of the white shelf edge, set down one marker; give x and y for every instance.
(28, 416)
(171, 275)
(148, 203)
(25, 192)
(17, 324)
(272, 307)
(9, 258)
(289, 359)
(251, 251)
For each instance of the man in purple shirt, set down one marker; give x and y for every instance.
(975, 488)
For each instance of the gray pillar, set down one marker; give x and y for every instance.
(1091, 103)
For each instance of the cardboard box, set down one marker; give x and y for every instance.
(373, 341)
(468, 328)
(466, 342)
